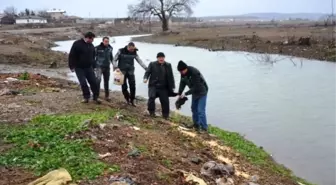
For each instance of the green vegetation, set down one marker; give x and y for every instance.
(42, 145)
(249, 150)
(168, 163)
(24, 76)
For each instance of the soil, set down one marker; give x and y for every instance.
(286, 40)
(31, 47)
(165, 149)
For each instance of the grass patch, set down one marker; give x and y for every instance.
(168, 163)
(249, 150)
(24, 76)
(42, 146)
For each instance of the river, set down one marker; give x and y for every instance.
(289, 110)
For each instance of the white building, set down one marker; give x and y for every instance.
(56, 13)
(30, 20)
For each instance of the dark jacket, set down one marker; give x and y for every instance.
(126, 58)
(82, 55)
(104, 56)
(153, 73)
(195, 81)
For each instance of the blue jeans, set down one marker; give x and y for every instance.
(198, 112)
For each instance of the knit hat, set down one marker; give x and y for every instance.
(160, 54)
(181, 66)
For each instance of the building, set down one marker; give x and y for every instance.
(8, 19)
(56, 13)
(30, 20)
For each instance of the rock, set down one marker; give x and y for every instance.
(129, 135)
(6, 91)
(212, 169)
(13, 106)
(224, 181)
(53, 65)
(102, 126)
(136, 128)
(102, 156)
(114, 126)
(185, 155)
(196, 160)
(119, 183)
(252, 183)
(134, 153)
(10, 79)
(304, 41)
(116, 180)
(254, 178)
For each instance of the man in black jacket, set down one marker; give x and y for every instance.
(193, 78)
(125, 57)
(104, 58)
(161, 84)
(81, 61)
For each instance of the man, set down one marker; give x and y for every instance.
(125, 57)
(104, 58)
(161, 84)
(192, 77)
(81, 61)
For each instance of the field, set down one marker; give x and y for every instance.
(306, 40)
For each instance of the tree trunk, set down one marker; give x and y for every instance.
(165, 24)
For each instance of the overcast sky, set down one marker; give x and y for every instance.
(118, 8)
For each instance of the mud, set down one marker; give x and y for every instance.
(164, 149)
(275, 40)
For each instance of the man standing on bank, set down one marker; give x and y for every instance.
(161, 84)
(193, 78)
(104, 58)
(82, 62)
(125, 57)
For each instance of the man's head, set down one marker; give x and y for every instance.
(106, 41)
(160, 57)
(89, 37)
(182, 67)
(131, 47)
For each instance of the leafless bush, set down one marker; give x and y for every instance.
(269, 59)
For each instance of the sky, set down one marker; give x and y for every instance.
(116, 8)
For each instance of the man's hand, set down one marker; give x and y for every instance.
(145, 81)
(181, 96)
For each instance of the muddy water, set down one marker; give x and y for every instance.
(288, 110)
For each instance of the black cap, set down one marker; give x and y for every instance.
(160, 54)
(131, 44)
(89, 35)
(181, 66)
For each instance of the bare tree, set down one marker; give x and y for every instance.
(271, 59)
(163, 9)
(10, 11)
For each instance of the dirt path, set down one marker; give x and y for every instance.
(165, 149)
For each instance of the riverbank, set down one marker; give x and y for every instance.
(298, 41)
(150, 151)
(31, 47)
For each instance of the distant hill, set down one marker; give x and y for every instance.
(272, 16)
(282, 16)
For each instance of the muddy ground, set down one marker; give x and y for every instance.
(165, 148)
(287, 40)
(31, 47)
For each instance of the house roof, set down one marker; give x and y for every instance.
(30, 17)
(56, 11)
